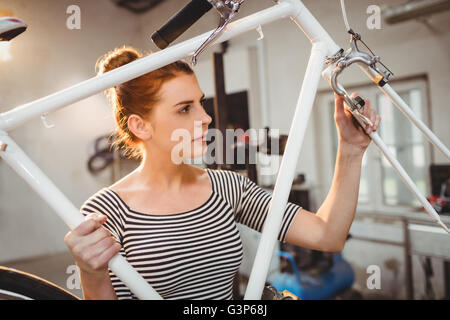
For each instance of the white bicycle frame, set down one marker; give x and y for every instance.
(322, 46)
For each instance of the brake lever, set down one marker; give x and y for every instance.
(227, 10)
(342, 60)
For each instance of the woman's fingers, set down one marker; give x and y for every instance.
(101, 246)
(97, 217)
(86, 227)
(93, 238)
(73, 238)
(339, 112)
(91, 244)
(91, 223)
(101, 261)
(369, 113)
(88, 232)
(91, 252)
(377, 122)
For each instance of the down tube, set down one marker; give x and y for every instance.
(286, 174)
(42, 185)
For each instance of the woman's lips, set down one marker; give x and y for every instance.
(202, 138)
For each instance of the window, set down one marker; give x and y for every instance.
(381, 189)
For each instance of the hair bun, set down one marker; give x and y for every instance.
(117, 58)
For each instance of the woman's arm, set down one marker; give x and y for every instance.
(97, 286)
(327, 230)
(92, 246)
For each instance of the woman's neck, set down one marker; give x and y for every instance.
(162, 175)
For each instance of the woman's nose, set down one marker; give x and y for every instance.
(206, 118)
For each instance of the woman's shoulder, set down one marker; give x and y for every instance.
(122, 183)
(100, 200)
(227, 174)
(227, 180)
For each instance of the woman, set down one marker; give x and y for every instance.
(176, 223)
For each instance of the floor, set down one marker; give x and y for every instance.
(58, 269)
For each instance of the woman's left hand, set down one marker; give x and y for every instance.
(350, 136)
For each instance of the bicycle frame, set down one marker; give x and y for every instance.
(322, 47)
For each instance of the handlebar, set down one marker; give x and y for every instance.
(180, 22)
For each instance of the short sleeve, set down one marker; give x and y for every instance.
(100, 203)
(253, 207)
(105, 204)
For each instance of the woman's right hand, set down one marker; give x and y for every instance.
(92, 245)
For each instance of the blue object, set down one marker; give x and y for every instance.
(322, 286)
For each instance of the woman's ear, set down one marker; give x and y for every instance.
(140, 127)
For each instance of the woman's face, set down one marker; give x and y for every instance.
(179, 121)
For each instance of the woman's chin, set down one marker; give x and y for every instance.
(199, 148)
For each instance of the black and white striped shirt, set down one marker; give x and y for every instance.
(193, 254)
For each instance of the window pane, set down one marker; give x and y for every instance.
(407, 144)
(415, 105)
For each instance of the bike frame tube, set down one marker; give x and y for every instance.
(87, 88)
(322, 46)
(32, 174)
(406, 110)
(405, 177)
(285, 175)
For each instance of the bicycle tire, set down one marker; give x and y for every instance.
(19, 285)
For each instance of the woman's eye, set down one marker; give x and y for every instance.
(202, 102)
(185, 109)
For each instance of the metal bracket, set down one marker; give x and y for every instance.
(227, 10)
(260, 32)
(44, 120)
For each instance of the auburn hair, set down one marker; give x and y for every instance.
(136, 96)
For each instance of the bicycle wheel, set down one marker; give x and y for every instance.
(19, 285)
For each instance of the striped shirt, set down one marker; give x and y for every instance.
(193, 254)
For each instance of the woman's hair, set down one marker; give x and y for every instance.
(137, 96)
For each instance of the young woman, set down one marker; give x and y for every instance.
(176, 223)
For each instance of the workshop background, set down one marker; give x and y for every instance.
(391, 235)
